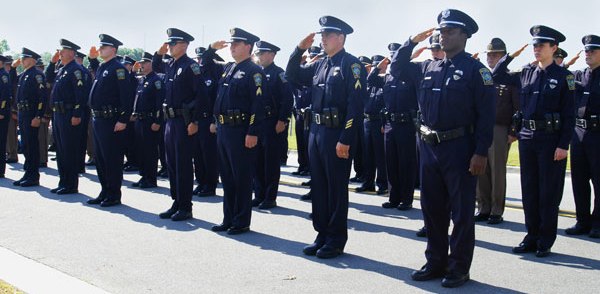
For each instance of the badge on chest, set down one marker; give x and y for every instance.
(552, 83)
(238, 75)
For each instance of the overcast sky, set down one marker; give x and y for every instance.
(39, 25)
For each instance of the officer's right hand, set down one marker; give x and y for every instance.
(573, 60)
(93, 54)
(422, 36)
(55, 57)
(342, 150)
(213, 128)
(192, 129)
(475, 56)
(251, 141)
(163, 49)
(383, 64)
(218, 45)
(16, 63)
(518, 52)
(119, 126)
(35, 122)
(417, 52)
(307, 42)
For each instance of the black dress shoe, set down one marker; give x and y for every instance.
(29, 183)
(267, 205)
(197, 190)
(307, 183)
(578, 229)
(296, 173)
(43, 164)
(109, 203)
(365, 189)
(542, 252)
(453, 280)
(404, 206)
(481, 217)
(96, 200)
(220, 228)
(131, 168)
(181, 215)
(55, 189)
(329, 252)
(524, 248)
(306, 197)
(381, 191)
(427, 273)
(169, 213)
(163, 173)
(237, 230)
(305, 173)
(389, 205)
(147, 185)
(312, 248)
(256, 202)
(136, 184)
(495, 219)
(12, 160)
(90, 162)
(65, 191)
(595, 233)
(18, 182)
(356, 180)
(422, 232)
(207, 193)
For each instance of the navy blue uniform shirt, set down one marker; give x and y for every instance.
(70, 86)
(281, 92)
(111, 88)
(31, 89)
(149, 97)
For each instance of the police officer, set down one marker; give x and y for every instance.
(544, 128)
(131, 156)
(110, 101)
(491, 186)
(278, 107)
(184, 93)
(68, 96)
(206, 164)
(44, 129)
(239, 112)
(31, 94)
(11, 140)
(559, 56)
(585, 156)
(338, 86)
(399, 114)
(456, 101)
(5, 98)
(374, 151)
(85, 114)
(147, 110)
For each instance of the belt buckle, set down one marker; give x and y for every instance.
(317, 118)
(221, 119)
(582, 123)
(531, 124)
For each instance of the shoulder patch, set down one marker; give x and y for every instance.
(39, 79)
(195, 68)
(5, 79)
(486, 76)
(571, 82)
(158, 85)
(355, 70)
(282, 77)
(77, 74)
(121, 74)
(257, 79)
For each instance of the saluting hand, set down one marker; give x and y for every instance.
(307, 41)
(475, 56)
(518, 52)
(422, 36)
(417, 52)
(192, 129)
(560, 154)
(119, 126)
(55, 57)
(382, 66)
(574, 59)
(163, 49)
(16, 63)
(93, 54)
(251, 141)
(137, 66)
(218, 45)
(478, 164)
(342, 150)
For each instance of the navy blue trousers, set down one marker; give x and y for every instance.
(448, 193)
(3, 138)
(268, 169)
(236, 168)
(31, 145)
(329, 186)
(68, 149)
(585, 167)
(374, 155)
(146, 143)
(83, 137)
(301, 143)
(206, 161)
(109, 147)
(542, 184)
(179, 150)
(401, 160)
